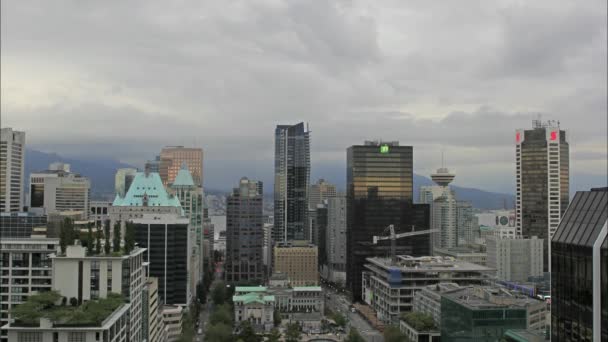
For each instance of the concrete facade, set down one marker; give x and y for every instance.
(515, 259)
(12, 165)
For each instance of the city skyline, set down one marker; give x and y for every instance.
(380, 86)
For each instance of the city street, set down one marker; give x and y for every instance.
(203, 318)
(339, 303)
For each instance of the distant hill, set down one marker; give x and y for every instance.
(101, 172)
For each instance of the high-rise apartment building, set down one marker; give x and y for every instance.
(299, 261)
(59, 190)
(466, 223)
(244, 261)
(542, 176)
(25, 268)
(335, 240)
(379, 194)
(122, 180)
(515, 259)
(319, 192)
(12, 164)
(579, 270)
(291, 182)
(191, 198)
(173, 157)
(153, 320)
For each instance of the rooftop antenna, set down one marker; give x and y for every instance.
(442, 159)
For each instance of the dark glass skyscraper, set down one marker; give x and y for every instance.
(579, 270)
(542, 173)
(245, 234)
(291, 182)
(379, 193)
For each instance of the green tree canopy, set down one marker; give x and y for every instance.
(419, 321)
(219, 293)
(129, 237)
(219, 333)
(221, 314)
(354, 336)
(393, 334)
(293, 333)
(248, 333)
(116, 238)
(274, 335)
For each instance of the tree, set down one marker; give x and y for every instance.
(116, 238)
(106, 234)
(354, 336)
(393, 334)
(90, 239)
(274, 335)
(419, 321)
(66, 234)
(293, 333)
(276, 317)
(339, 319)
(248, 333)
(221, 314)
(73, 301)
(98, 241)
(219, 333)
(129, 237)
(219, 293)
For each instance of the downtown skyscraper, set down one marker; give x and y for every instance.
(542, 173)
(244, 261)
(291, 182)
(379, 193)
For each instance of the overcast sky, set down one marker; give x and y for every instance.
(120, 79)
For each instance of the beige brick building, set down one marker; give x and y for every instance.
(299, 260)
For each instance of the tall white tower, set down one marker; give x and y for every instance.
(12, 164)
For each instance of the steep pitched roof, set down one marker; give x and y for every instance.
(183, 178)
(584, 219)
(150, 187)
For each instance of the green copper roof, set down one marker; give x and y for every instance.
(183, 178)
(147, 186)
(307, 288)
(253, 298)
(241, 289)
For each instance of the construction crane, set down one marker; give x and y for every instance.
(393, 237)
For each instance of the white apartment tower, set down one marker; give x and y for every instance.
(12, 161)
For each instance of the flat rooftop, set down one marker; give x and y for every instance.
(406, 263)
(489, 297)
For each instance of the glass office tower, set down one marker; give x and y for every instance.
(579, 265)
(291, 182)
(379, 193)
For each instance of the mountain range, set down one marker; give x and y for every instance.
(101, 173)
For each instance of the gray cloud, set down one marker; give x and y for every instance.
(121, 79)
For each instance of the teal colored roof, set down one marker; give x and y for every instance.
(307, 288)
(150, 186)
(248, 289)
(183, 178)
(253, 298)
(482, 227)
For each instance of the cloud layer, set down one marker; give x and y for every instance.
(121, 79)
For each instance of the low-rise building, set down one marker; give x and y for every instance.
(20, 224)
(389, 287)
(485, 313)
(255, 305)
(473, 254)
(25, 268)
(299, 260)
(417, 330)
(172, 319)
(428, 300)
(100, 212)
(114, 328)
(515, 259)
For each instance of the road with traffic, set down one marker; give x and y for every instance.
(338, 302)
